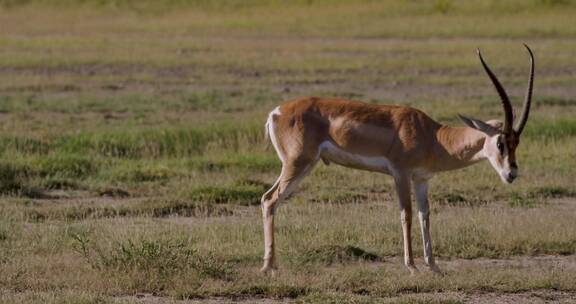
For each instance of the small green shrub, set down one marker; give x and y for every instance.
(14, 178)
(331, 254)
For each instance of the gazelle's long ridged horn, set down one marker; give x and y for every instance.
(526, 110)
(508, 117)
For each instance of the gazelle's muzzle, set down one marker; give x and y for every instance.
(508, 176)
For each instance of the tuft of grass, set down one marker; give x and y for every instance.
(276, 291)
(161, 143)
(551, 3)
(442, 6)
(58, 183)
(16, 179)
(341, 197)
(553, 129)
(458, 199)
(113, 192)
(246, 162)
(331, 254)
(64, 150)
(242, 194)
(551, 192)
(359, 298)
(564, 247)
(554, 101)
(139, 174)
(13, 178)
(166, 208)
(29, 177)
(23, 144)
(146, 208)
(154, 257)
(67, 166)
(468, 241)
(4, 232)
(519, 200)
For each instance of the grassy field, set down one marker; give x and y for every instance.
(133, 157)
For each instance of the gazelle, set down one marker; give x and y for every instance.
(397, 140)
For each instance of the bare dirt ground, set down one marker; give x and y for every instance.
(529, 297)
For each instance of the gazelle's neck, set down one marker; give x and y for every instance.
(459, 147)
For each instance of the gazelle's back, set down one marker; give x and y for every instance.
(397, 133)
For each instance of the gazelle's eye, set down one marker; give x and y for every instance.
(500, 146)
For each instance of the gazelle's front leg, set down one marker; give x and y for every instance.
(421, 193)
(403, 192)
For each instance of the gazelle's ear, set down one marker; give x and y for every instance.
(496, 124)
(479, 125)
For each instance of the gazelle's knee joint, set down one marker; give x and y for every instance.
(268, 206)
(405, 217)
(424, 215)
(266, 197)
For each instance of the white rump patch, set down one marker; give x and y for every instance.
(272, 133)
(331, 152)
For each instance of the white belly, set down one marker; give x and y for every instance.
(331, 152)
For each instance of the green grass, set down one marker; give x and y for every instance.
(133, 156)
(153, 258)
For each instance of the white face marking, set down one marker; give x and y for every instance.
(337, 155)
(498, 160)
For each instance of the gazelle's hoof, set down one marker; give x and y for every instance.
(413, 270)
(435, 269)
(267, 268)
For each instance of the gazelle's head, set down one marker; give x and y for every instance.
(502, 138)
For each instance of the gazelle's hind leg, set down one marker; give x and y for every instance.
(292, 174)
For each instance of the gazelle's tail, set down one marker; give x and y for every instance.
(270, 133)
